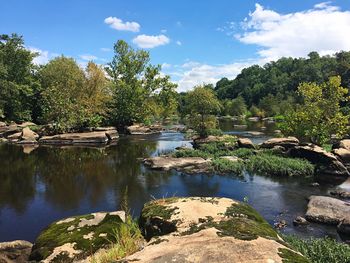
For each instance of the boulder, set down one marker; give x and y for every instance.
(14, 137)
(326, 163)
(187, 164)
(17, 251)
(327, 210)
(28, 136)
(139, 129)
(9, 130)
(287, 142)
(76, 138)
(245, 143)
(345, 144)
(344, 226)
(339, 193)
(206, 229)
(112, 135)
(76, 238)
(3, 124)
(344, 155)
(26, 124)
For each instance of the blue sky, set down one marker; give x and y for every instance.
(195, 41)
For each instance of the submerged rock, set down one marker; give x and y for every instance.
(76, 238)
(188, 164)
(300, 221)
(245, 143)
(327, 210)
(287, 142)
(17, 251)
(199, 229)
(83, 138)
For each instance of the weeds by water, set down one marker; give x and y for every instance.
(226, 166)
(320, 250)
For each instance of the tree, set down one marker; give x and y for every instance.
(136, 84)
(17, 80)
(235, 107)
(319, 116)
(202, 104)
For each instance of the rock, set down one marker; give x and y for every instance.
(9, 130)
(139, 129)
(287, 142)
(17, 251)
(255, 119)
(112, 135)
(3, 140)
(3, 124)
(76, 138)
(231, 158)
(327, 163)
(26, 124)
(327, 210)
(255, 133)
(183, 148)
(344, 155)
(104, 129)
(76, 237)
(245, 143)
(188, 164)
(344, 226)
(345, 144)
(14, 137)
(315, 184)
(280, 224)
(28, 136)
(300, 221)
(340, 193)
(240, 126)
(200, 229)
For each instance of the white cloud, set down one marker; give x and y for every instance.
(145, 41)
(43, 55)
(166, 65)
(105, 49)
(195, 73)
(88, 57)
(179, 43)
(296, 34)
(118, 24)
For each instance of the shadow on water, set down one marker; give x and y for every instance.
(51, 183)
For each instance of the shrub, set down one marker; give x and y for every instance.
(320, 250)
(243, 153)
(191, 153)
(269, 164)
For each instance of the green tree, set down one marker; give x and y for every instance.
(202, 104)
(235, 107)
(319, 116)
(135, 85)
(17, 80)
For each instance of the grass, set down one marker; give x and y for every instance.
(128, 240)
(191, 153)
(221, 165)
(273, 165)
(320, 250)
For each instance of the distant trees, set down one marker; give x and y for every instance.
(202, 104)
(235, 107)
(139, 91)
(319, 115)
(17, 81)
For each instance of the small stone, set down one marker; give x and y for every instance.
(299, 221)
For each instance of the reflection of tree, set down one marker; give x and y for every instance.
(17, 180)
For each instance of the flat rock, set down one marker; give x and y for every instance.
(17, 251)
(345, 144)
(138, 129)
(189, 164)
(245, 143)
(76, 138)
(199, 229)
(327, 210)
(344, 155)
(287, 142)
(76, 238)
(26, 124)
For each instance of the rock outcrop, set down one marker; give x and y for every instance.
(76, 238)
(139, 129)
(199, 229)
(28, 136)
(84, 138)
(287, 142)
(17, 251)
(245, 143)
(327, 210)
(188, 164)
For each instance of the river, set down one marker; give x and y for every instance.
(51, 183)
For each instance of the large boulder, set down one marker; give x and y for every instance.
(76, 238)
(344, 155)
(17, 251)
(326, 163)
(28, 136)
(76, 138)
(327, 210)
(287, 142)
(139, 129)
(345, 144)
(199, 229)
(188, 164)
(245, 143)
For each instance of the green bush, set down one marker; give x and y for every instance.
(221, 165)
(269, 164)
(243, 153)
(320, 250)
(191, 153)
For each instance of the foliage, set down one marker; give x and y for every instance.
(138, 88)
(320, 250)
(272, 165)
(319, 116)
(222, 165)
(256, 112)
(18, 84)
(235, 107)
(202, 104)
